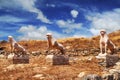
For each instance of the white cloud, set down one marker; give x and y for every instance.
(74, 13)
(79, 36)
(25, 29)
(34, 33)
(8, 4)
(9, 18)
(50, 5)
(68, 26)
(109, 20)
(28, 5)
(31, 32)
(94, 31)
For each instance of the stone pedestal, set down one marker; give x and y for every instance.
(107, 77)
(21, 59)
(111, 60)
(57, 59)
(92, 77)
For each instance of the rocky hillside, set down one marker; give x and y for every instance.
(70, 43)
(83, 64)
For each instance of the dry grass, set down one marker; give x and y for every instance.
(58, 72)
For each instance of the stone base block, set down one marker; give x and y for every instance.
(111, 60)
(21, 59)
(57, 59)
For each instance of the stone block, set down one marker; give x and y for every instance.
(107, 77)
(92, 77)
(21, 59)
(57, 59)
(111, 60)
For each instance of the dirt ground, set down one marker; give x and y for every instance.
(38, 65)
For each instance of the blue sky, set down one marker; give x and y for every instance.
(32, 19)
